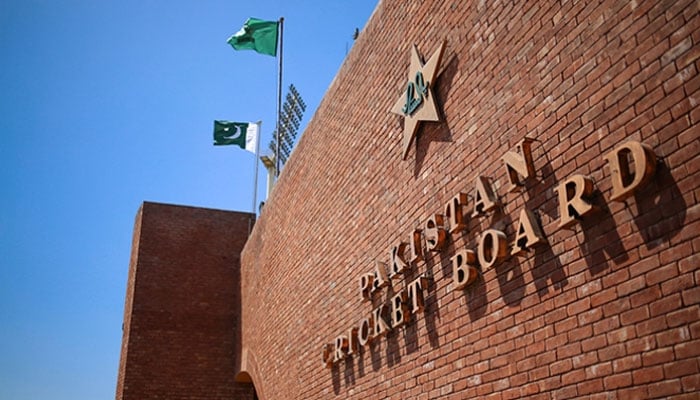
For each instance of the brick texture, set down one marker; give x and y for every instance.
(606, 309)
(181, 335)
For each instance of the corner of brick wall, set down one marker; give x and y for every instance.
(182, 312)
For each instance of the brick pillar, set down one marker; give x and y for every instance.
(181, 332)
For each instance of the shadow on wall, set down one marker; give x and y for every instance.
(434, 132)
(548, 265)
(658, 212)
(661, 210)
(601, 240)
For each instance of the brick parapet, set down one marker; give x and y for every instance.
(182, 315)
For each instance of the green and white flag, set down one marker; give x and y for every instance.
(243, 134)
(257, 35)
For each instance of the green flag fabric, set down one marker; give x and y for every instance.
(243, 134)
(257, 35)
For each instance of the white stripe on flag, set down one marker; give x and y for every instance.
(251, 137)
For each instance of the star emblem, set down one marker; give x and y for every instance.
(418, 102)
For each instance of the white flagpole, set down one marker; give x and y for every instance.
(255, 160)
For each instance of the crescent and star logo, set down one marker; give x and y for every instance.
(233, 136)
(418, 102)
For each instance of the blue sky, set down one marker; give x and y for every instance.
(105, 104)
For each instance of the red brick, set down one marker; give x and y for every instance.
(621, 335)
(684, 396)
(603, 297)
(641, 344)
(627, 363)
(687, 350)
(560, 367)
(673, 336)
(691, 296)
(684, 316)
(658, 356)
(665, 388)
(567, 392)
(665, 305)
(569, 350)
(591, 386)
(612, 352)
(585, 359)
(661, 274)
(566, 324)
(676, 51)
(677, 284)
(691, 384)
(634, 315)
(617, 381)
(680, 368)
(573, 377)
(616, 307)
(589, 317)
(645, 296)
(632, 393)
(647, 375)
(695, 330)
(631, 286)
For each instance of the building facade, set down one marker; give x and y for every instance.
(181, 332)
(494, 200)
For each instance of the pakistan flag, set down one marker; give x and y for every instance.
(243, 134)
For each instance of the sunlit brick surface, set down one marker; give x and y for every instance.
(182, 314)
(605, 309)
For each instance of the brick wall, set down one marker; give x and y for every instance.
(182, 315)
(605, 309)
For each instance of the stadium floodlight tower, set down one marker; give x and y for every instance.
(290, 120)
